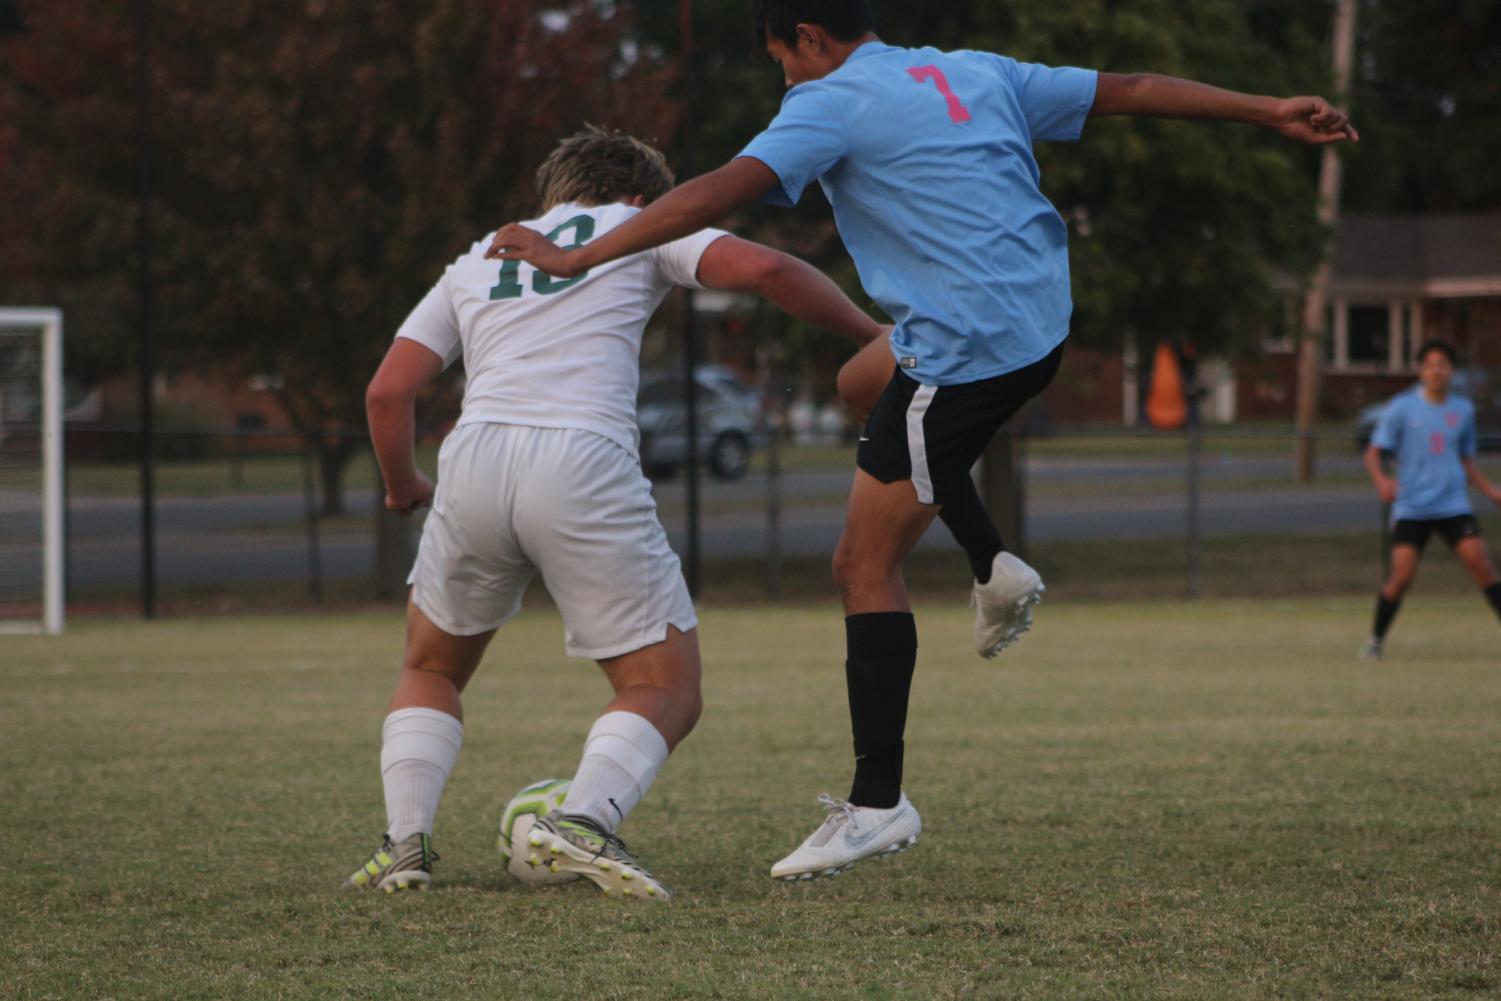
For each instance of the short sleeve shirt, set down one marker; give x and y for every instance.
(554, 353)
(1429, 441)
(927, 159)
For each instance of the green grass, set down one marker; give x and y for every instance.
(1144, 801)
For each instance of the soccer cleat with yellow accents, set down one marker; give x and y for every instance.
(575, 844)
(397, 865)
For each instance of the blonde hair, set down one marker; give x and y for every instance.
(597, 166)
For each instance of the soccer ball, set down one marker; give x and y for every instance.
(516, 822)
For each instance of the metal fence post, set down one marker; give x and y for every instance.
(310, 516)
(1194, 543)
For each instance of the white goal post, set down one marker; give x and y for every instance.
(31, 426)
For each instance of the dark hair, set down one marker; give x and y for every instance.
(845, 20)
(1442, 347)
(597, 166)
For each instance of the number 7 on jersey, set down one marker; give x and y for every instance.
(922, 74)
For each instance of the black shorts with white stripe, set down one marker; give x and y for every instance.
(933, 435)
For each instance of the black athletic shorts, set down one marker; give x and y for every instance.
(933, 435)
(1417, 531)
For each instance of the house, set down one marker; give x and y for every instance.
(1397, 282)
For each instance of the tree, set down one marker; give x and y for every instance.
(316, 166)
(1427, 89)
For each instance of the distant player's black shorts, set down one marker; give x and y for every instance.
(933, 435)
(1417, 532)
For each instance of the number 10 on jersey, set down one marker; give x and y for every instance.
(509, 286)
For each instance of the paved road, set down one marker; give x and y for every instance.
(258, 539)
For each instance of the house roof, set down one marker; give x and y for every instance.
(1437, 256)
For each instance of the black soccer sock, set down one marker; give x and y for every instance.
(1385, 612)
(1493, 595)
(882, 654)
(964, 515)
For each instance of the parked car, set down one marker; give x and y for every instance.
(729, 422)
(1482, 389)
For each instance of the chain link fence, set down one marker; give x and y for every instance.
(245, 519)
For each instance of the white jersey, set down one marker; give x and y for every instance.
(554, 353)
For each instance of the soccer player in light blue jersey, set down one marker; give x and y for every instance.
(1431, 433)
(927, 159)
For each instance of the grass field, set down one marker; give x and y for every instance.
(1146, 801)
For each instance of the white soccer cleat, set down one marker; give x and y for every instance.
(1371, 650)
(850, 833)
(1003, 606)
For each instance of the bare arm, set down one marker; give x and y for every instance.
(794, 286)
(685, 209)
(391, 408)
(1385, 485)
(1311, 120)
(1479, 482)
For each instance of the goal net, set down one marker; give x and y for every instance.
(31, 470)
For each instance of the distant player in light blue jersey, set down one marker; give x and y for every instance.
(1431, 433)
(926, 157)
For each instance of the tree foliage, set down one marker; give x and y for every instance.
(316, 164)
(1428, 87)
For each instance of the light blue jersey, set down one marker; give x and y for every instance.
(1429, 440)
(926, 157)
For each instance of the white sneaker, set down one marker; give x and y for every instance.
(850, 833)
(1003, 607)
(1371, 650)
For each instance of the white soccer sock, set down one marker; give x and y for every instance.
(621, 759)
(416, 755)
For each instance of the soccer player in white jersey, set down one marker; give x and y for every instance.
(1431, 433)
(926, 158)
(542, 474)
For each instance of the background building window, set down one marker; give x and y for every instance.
(1369, 336)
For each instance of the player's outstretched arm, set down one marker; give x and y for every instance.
(1385, 485)
(685, 209)
(391, 409)
(1311, 120)
(795, 286)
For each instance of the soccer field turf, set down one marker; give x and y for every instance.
(1141, 801)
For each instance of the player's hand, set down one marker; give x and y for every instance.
(515, 242)
(410, 497)
(1312, 120)
(1387, 488)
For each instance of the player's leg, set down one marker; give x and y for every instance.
(959, 427)
(591, 527)
(420, 742)
(657, 703)
(884, 523)
(467, 581)
(1477, 560)
(1408, 540)
(864, 377)
(861, 383)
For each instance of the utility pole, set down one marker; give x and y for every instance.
(691, 463)
(1315, 302)
(145, 362)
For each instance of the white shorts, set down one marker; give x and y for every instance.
(514, 500)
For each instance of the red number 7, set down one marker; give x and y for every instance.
(922, 74)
